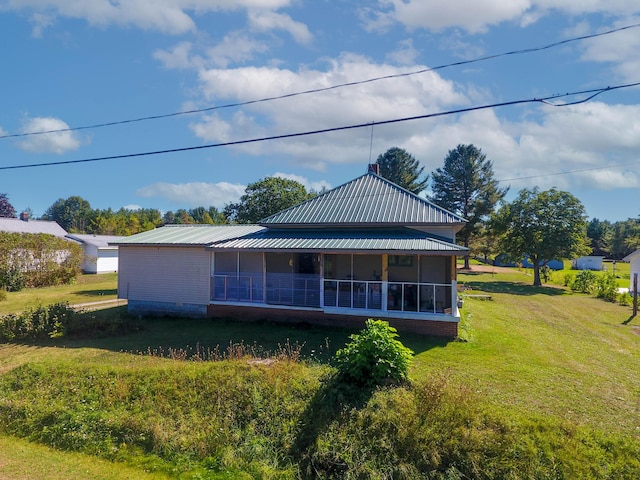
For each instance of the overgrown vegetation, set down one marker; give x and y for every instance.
(59, 320)
(37, 260)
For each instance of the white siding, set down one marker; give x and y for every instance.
(107, 261)
(164, 274)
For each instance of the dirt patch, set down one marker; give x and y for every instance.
(485, 269)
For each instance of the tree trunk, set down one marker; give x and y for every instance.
(466, 257)
(536, 272)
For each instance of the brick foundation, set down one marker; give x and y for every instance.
(252, 314)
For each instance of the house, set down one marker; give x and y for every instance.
(366, 249)
(634, 268)
(25, 225)
(99, 255)
(591, 262)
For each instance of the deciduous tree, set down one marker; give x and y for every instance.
(264, 198)
(6, 209)
(542, 226)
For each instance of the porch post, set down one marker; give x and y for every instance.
(454, 299)
(385, 278)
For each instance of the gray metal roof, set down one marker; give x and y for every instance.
(367, 200)
(351, 240)
(98, 241)
(15, 225)
(188, 235)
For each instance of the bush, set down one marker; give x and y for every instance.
(584, 282)
(12, 279)
(607, 287)
(374, 356)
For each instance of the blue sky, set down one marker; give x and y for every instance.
(77, 63)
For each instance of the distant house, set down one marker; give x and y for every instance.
(99, 255)
(591, 262)
(25, 225)
(366, 249)
(634, 268)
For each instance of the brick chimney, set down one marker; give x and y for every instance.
(374, 168)
(24, 216)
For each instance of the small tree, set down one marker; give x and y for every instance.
(6, 209)
(374, 356)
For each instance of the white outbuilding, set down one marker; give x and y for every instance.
(591, 262)
(634, 260)
(99, 255)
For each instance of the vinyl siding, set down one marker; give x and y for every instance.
(179, 275)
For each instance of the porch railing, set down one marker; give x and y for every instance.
(419, 297)
(245, 287)
(353, 294)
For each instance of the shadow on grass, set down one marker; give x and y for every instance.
(332, 400)
(514, 288)
(98, 292)
(629, 320)
(116, 331)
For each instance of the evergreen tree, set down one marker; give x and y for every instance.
(402, 168)
(6, 209)
(465, 185)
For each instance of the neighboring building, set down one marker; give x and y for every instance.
(25, 225)
(591, 262)
(99, 255)
(634, 268)
(366, 249)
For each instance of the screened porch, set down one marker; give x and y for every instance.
(395, 283)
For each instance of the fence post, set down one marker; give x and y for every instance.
(635, 294)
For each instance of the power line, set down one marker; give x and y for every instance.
(567, 172)
(325, 89)
(592, 93)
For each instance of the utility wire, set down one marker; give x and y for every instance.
(324, 89)
(545, 100)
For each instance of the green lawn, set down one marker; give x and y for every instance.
(529, 352)
(88, 288)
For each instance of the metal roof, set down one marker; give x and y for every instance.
(330, 240)
(98, 241)
(15, 225)
(188, 235)
(367, 200)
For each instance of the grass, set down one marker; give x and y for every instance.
(552, 373)
(88, 288)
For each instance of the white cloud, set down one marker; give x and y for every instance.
(167, 16)
(57, 142)
(405, 54)
(265, 21)
(195, 194)
(619, 49)
(309, 185)
(476, 16)
(360, 104)
(3, 132)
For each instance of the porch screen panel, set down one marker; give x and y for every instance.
(287, 285)
(225, 276)
(250, 277)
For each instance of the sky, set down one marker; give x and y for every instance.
(91, 69)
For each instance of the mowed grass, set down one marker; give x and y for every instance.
(88, 288)
(529, 353)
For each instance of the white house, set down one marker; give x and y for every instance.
(634, 260)
(366, 249)
(591, 262)
(99, 255)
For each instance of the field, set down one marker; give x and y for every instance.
(542, 365)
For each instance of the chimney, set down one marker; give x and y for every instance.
(374, 168)
(24, 216)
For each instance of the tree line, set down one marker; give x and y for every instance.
(541, 225)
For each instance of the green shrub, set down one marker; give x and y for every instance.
(624, 299)
(3, 294)
(607, 287)
(12, 279)
(584, 282)
(374, 356)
